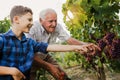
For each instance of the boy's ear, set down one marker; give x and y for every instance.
(16, 19)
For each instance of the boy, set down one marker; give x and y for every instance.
(17, 51)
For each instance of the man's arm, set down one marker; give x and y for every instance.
(48, 66)
(73, 41)
(93, 47)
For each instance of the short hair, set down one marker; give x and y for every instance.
(44, 12)
(18, 11)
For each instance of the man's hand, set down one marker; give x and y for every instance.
(52, 69)
(16, 74)
(56, 72)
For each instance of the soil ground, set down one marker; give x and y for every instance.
(76, 73)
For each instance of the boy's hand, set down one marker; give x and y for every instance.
(88, 48)
(92, 48)
(16, 74)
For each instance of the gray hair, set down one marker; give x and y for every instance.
(44, 12)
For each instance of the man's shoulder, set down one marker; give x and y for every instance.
(61, 27)
(36, 25)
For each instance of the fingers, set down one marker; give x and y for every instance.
(56, 73)
(18, 78)
(22, 76)
(95, 46)
(60, 75)
(89, 49)
(92, 50)
(86, 48)
(80, 51)
(17, 75)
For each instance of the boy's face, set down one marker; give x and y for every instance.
(25, 22)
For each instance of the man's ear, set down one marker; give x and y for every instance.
(40, 20)
(16, 19)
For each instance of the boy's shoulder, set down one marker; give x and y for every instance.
(1, 37)
(1, 34)
(5, 36)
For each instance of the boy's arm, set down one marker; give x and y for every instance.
(5, 70)
(14, 72)
(83, 49)
(66, 48)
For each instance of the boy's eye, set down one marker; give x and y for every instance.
(30, 19)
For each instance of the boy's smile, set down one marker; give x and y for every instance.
(25, 22)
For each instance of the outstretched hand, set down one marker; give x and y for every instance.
(89, 49)
(93, 48)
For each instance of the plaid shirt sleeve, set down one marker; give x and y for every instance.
(1, 43)
(40, 47)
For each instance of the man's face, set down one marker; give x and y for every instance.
(50, 22)
(25, 22)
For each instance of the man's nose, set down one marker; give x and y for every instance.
(54, 23)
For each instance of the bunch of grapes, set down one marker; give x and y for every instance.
(110, 46)
(101, 44)
(108, 38)
(114, 49)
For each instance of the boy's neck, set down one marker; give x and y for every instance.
(17, 32)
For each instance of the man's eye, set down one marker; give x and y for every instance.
(50, 21)
(53, 21)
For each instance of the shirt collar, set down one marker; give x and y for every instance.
(10, 33)
(42, 29)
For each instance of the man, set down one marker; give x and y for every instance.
(17, 51)
(46, 29)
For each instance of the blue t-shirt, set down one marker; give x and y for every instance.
(18, 53)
